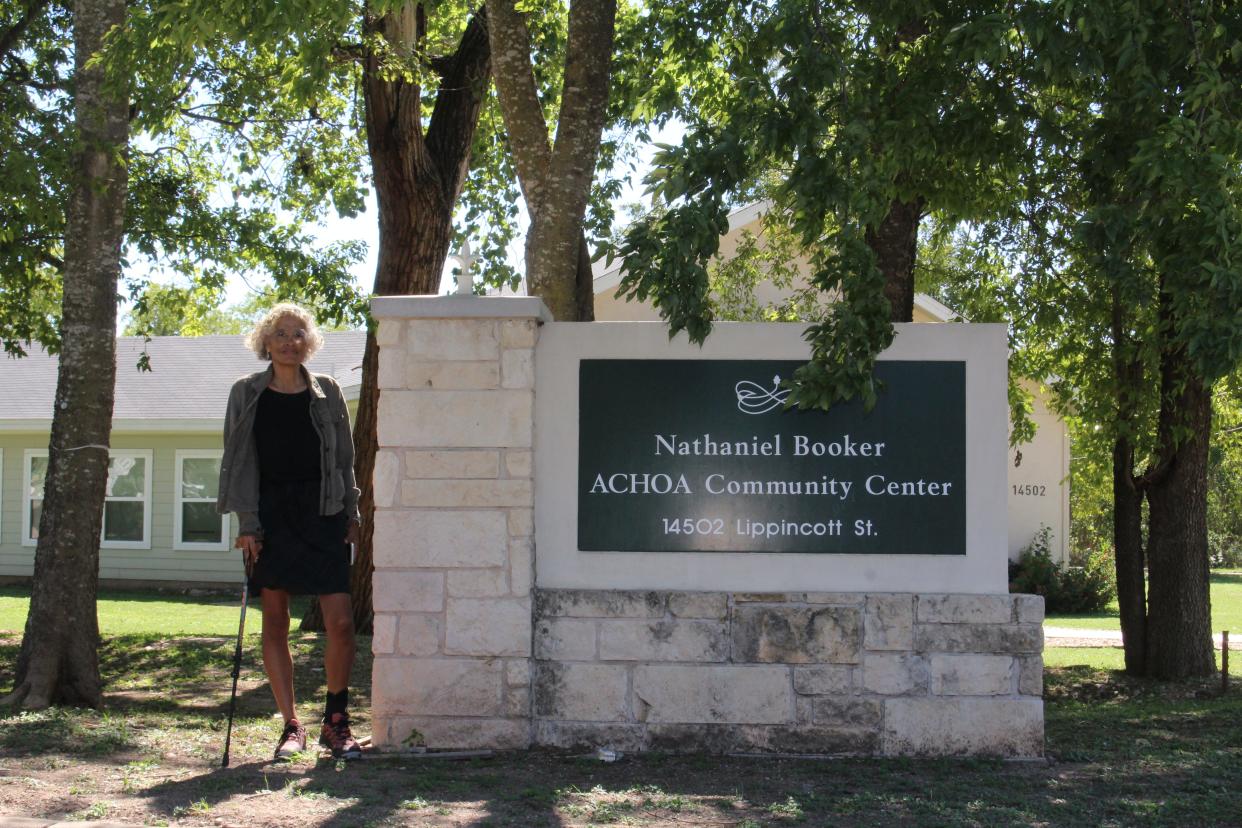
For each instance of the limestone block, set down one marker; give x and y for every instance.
(797, 634)
(517, 368)
(383, 633)
(432, 539)
(1028, 609)
(388, 333)
(487, 627)
(963, 726)
(521, 523)
(436, 686)
(565, 639)
(892, 674)
(718, 738)
(451, 376)
(972, 675)
(453, 733)
(517, 702)
(517, 672)
(589, 736)
(761, 597)
(477, 583)
(437, 494)
(856, 713)
(664, 639)
(889, 622)
(453, 339)
(965, 609)
(979, 638)
(408, 592)
(452, 464)
(1031, 675)
(521, 566)
(384, 477)
(517, 333)
(456, 419)
(842, 599)
(713, 693)
(418, 635)
(518, 463)
(600, 603)
(824, 679)
(804, 709)
(583, 692)
(392, 365)
(713, 605)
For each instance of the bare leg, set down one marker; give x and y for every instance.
(338, 655)
(277, 660)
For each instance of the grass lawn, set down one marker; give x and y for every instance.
(1226, 608)
(1122, 752)
(129, 613)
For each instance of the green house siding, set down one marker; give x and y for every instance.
(162, 561)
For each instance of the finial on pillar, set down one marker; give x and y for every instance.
(465, 277)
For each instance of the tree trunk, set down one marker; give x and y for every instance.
(418, 178)
(58, 662)
(556, 176)
(1128, 559)
(1128, 553)
(895, 243)
(1179, 627)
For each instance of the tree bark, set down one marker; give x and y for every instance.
(1179, 627)
(58, 662)
(895, 242)
(418, 178)
(556, 176)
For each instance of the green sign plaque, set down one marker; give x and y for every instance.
(702, 456)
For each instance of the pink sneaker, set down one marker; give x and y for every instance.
(292, 740)
(335, 736)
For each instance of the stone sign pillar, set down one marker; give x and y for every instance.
(454, 527)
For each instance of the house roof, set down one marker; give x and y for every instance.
(186, 388)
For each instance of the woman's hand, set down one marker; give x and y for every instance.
(250, 546)
(351, 532)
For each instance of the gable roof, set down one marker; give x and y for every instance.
(186, 388)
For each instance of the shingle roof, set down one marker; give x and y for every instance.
(189, 378)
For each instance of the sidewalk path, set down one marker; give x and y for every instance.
(1072, 637)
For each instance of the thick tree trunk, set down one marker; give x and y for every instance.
(1179, 627)
(58, 662)
(556, 175)
(895, 243)
(418, 179)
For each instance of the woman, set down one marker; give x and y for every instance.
(288, 474)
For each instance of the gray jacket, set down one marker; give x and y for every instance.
(239, 470)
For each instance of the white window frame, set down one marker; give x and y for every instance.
(145, 454)
(27, 457)
(145, 543)
(178, 500)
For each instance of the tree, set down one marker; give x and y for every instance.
(556, 176)
(58, 662)
(851, 109)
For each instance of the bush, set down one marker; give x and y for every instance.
(1086, 585)
(1224, 550)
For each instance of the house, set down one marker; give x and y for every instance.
(1038, 478)
(160, 525)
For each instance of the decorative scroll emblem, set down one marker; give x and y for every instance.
(752, 398)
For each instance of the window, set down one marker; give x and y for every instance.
(127, 499)
(196, 525)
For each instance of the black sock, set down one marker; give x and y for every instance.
(336, 703)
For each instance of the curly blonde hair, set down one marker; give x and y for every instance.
(256, 339)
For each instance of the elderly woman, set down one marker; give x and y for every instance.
(288, 475)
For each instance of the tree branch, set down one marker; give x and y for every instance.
(456, 113)
(12, 35)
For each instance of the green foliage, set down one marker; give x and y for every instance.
(1087, 584)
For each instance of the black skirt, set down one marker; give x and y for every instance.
(304, 552)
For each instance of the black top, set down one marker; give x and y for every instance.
(286, 438)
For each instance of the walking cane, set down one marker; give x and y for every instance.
(237, 656)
